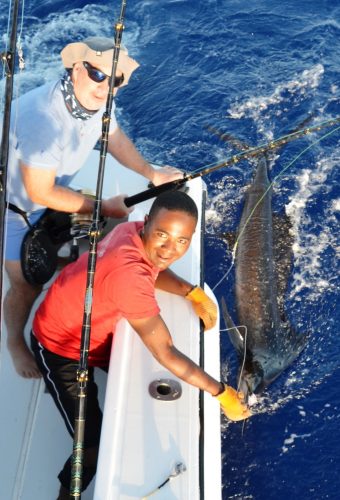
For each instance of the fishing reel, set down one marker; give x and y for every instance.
(39, 253)
(82, 226)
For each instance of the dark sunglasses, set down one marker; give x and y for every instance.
(98, 76)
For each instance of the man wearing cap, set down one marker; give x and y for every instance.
(54, 129)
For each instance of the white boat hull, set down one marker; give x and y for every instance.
(143, 437)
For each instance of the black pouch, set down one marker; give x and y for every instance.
(39, 250)
(38, 257)
(40, 246)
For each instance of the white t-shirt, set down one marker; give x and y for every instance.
(45, 135)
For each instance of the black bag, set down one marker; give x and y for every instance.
(39, 250)
(40, 246)
(38, 257)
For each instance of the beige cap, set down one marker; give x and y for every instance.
(98, 51)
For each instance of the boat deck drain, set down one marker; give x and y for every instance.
(165, 389)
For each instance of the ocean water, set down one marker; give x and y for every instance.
(255, 70)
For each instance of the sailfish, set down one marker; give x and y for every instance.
(265, 342)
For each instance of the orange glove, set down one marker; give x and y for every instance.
(203, 306)
(232, 404)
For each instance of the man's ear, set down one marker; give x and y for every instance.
(146, 218)
(75, 70)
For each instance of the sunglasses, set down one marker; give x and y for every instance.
(98, 76)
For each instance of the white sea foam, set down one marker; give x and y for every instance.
(254, 107)
(42, 41)
(290, 441)
(222, 201)
(309, 247)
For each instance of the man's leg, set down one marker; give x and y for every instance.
(17, 307)
(60, 375)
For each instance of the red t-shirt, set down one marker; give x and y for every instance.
(124, 287)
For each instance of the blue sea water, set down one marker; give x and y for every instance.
(255, 70)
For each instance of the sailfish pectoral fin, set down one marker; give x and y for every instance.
(233, 332)
(295, 344)
(301, 340)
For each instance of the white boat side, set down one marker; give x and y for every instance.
(143, 437)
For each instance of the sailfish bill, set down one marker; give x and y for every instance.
(265, 342)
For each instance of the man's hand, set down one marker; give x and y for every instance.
(166, 174)
(203, 306)
(121, 148)
(232, 404)
(115, 207)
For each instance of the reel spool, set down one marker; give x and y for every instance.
(81, 225)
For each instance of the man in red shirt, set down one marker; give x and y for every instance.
(132, 261)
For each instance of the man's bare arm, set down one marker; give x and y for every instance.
(156, 337)
(41, 188)
(168, 281)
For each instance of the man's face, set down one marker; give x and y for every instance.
(167, 236)
(92, 95)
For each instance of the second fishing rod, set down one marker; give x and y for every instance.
(82, 374)
(244, 155)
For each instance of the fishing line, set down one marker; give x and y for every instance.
(21, 65)
(246, 223)
(274, 180)
(237, 327)
(6, 48)
(263, 148)
(244, 355)
(226, 273)
(21, 61)
(265, 193)
(176, 184)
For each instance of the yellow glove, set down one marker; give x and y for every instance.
(232, 404)
(203, 306)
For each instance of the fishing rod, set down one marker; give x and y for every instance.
(233, 252)
(82, 373)
(8, 60)
(249, 153)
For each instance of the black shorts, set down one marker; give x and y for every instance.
(60, 376)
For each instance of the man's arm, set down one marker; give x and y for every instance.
(121, 148)
(41, 188)
(168, 281)
(156, 337)
(203, 305)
